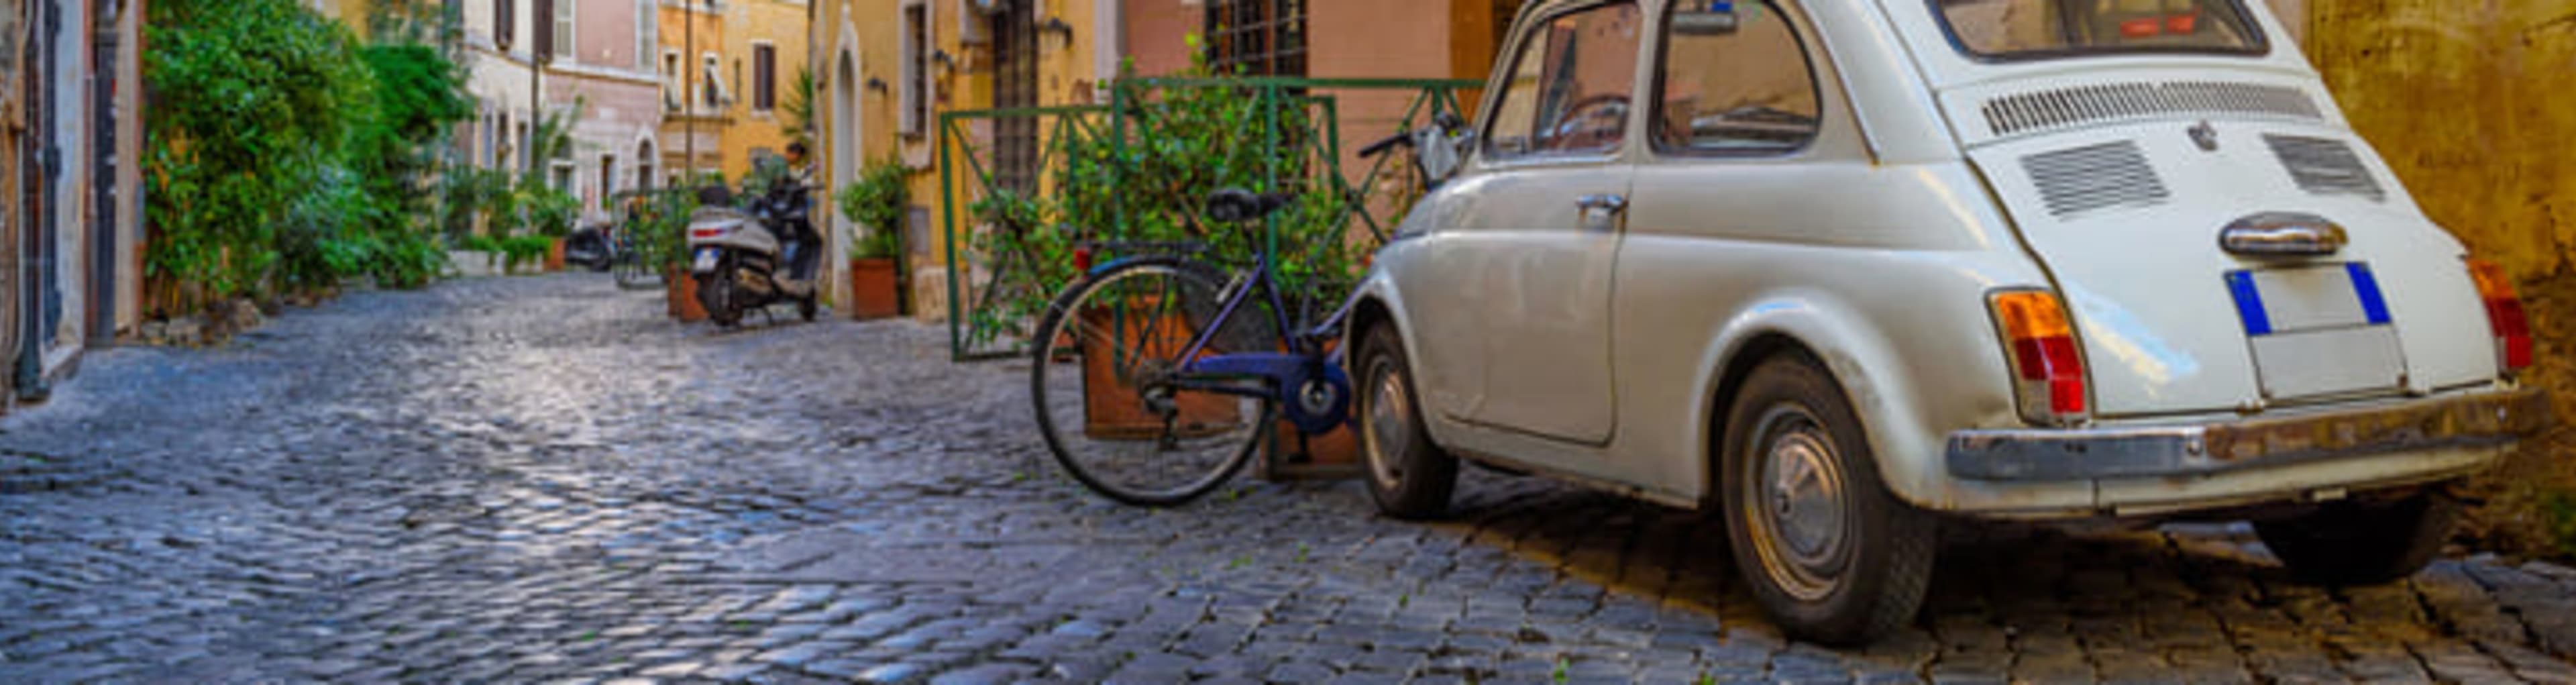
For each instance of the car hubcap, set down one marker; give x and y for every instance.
(1801, 508)
(1388, 423)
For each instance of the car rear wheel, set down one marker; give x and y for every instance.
(1830, 553)
(2363, 543)
(1410, 477)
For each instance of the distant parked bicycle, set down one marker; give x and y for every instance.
(1156, 377)
(632, 257)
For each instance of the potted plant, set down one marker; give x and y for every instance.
(551, 213)
(877, 204)
(661, 230)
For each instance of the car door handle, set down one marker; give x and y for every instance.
(1605, 202)
(1600, 213)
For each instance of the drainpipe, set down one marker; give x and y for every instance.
(41, 166)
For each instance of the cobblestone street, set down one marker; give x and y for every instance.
(534, 479)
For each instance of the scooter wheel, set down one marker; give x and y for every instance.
(808, 308)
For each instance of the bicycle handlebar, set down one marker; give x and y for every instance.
(1380, 147)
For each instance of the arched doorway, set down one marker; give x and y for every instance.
(845, 129)
(644, 164)
(845, 152)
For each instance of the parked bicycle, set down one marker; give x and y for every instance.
(1156, 377)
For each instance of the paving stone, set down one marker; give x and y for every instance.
(526, 479)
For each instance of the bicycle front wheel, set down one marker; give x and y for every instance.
(1113, 399)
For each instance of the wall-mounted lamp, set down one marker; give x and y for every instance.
(876, 84)
(1058, 26)
(944, 59)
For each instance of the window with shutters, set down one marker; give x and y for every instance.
(647, 32)
(673, 94)
(1257, 37)
(505, 17)
(764, 76)
(713, 94)
(563, 45)
(913, 102)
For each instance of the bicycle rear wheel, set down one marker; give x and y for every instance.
(1111, 402)
(632, 270)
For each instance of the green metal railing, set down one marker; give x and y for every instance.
(1302, 147)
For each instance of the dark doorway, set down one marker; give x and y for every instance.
(101, 308)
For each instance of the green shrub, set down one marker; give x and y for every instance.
(877, 203)
(525, 250)
(281, 155)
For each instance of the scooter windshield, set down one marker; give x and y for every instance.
(2043, 29)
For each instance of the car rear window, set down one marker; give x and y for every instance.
(2039, 29)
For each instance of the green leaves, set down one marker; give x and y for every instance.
(283, 155)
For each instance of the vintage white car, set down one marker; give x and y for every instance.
(1838, 268)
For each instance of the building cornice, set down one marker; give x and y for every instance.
(576, 69)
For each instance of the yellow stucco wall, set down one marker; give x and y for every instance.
(747, 128)
(2465, 99)
(868, 31)
(676, 29)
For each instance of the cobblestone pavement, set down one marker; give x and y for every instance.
(539, 479)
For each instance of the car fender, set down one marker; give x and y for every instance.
(1863, 361)
(1380, 288)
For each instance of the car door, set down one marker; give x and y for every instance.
(1544, 227)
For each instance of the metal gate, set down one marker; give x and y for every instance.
(995, 294)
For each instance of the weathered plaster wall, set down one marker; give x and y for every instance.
(2465, 98)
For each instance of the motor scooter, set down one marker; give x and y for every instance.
(749, 258)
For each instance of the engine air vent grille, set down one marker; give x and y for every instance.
(2084, 179)
(2048, 109)
(2324, 166)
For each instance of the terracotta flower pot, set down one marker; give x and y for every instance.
(872, 289)
(1112, 409)
(680, 293)
(555, 255)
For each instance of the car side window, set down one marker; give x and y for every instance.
(1569, 88)
(1735, 81)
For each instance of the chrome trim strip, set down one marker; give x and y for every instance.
(2027, 455)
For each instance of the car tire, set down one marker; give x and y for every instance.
(1832, 555)
(2363, 543)
(1409, 476)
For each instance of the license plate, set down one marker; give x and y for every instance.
(2319, 330)
(706, 262)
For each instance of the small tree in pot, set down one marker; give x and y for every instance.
(877, 203)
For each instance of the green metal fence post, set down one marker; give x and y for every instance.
(948, 210)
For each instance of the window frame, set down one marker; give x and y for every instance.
(912, 96)
(1487, 154)
(715, 97)
(764, 82)
(1815, 84)
(563, 27)
(505, 19)
(1224, 54)
(2262, 43)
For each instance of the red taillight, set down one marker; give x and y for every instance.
(1082, 259)
(2505, 317)
(2183, 24)
(2141, 28)
(703, 233)
(2048, 370)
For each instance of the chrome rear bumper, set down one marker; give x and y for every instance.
(2041, 455)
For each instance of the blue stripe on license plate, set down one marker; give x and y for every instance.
(2249, 303)
(2367, 285)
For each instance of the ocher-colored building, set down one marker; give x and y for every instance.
(889, 68)
(726, 67)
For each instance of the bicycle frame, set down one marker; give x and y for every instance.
(1305, 380)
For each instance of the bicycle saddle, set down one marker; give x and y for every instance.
(1239, 205)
